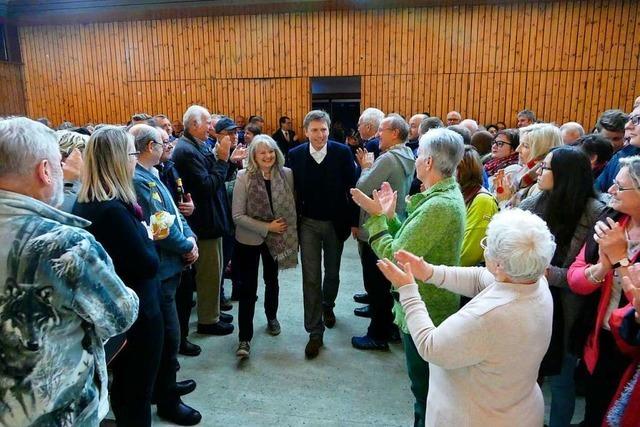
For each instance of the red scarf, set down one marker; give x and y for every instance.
(494, 165)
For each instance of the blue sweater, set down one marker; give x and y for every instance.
(613, 167)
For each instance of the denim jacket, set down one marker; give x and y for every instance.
(169, 250)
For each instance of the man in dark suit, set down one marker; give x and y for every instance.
(323, 173)
(285, 137)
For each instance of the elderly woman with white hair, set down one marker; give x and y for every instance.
(484, 359)
(433, 230)
(264, 211)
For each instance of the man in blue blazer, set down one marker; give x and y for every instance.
(323, 173)
(178, 249)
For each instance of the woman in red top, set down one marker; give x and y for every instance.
(599, 267)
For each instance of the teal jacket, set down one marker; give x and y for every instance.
(60, 298)
(169, 250)
(433, 230)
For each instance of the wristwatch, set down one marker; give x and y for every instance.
(624, 262)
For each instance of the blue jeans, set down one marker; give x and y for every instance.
(165, 387)
(563, 393)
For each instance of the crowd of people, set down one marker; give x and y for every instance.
(500, 258)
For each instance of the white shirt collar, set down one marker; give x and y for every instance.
(318, 155)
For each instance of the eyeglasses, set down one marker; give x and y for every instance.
(483, 243)
(500, 143)
(544, 167)
(635, 120)
(134, 154)
(383, 129)
(620, 188)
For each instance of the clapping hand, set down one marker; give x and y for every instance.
(370, 205)
(223, 148)
(421, 269)
(398, 277)
(611, 239)
(362, 158)
(72, 166)
(388, 199)
(239, 154)
(631, 285)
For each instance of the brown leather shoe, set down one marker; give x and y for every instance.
(329, 318)
(313, 346)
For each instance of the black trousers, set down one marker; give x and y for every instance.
(136, 367)
(379, 290)
(184, 300)
(247, 259)
(603, 383)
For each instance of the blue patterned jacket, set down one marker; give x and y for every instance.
(60, 298)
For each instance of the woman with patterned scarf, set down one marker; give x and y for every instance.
(520, 180)
(503, 151)
(264, 211)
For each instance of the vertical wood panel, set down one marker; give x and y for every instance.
(565, 60)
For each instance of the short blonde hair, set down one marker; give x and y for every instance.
(541, 137)
(106, 175)
(259, 140)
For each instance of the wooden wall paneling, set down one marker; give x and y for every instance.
(324, 42)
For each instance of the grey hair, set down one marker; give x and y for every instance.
(528, 114)
(470, 124)
(372, 116)
(521, 243)
(633, 166)
(572, 127)
(430, 123)
(23, 144)
(445, 147)
(396, 122)
(144, 134)
(314, 115)
(194, 113)
(258, 141)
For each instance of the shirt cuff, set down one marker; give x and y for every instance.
(438, 276)
(408, 291)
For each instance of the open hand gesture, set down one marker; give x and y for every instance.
(362, 158)
(421, 269)
(388, 199)
(398, 277)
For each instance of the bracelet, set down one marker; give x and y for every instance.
(592, 278)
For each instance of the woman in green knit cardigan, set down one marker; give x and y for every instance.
(434, 230)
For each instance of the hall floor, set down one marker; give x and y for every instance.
(277, 386)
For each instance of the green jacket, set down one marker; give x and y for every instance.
(434, 230)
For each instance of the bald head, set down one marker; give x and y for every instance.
(414, 126)
(453, 118)
(571, 132)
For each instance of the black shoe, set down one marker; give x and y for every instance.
(180, 414)
(329, 318)
(363, 311)
(313, 346)
(185, 387)
(394, 336)
(189, 349)
(362, 298)
(226, 318)
(219, 328)
(225, 304)
(368, 343)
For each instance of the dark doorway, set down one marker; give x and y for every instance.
(340, 97)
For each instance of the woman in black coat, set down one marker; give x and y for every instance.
(108, 200)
